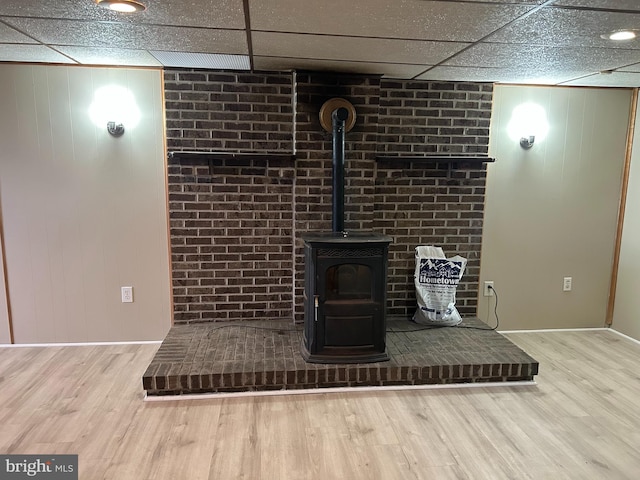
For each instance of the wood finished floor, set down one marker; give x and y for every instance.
(582, 421)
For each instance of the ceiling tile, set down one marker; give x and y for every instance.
(386, 69)
(76, 9)
(532, 57)
(409, 19)
(524, 2)
(615, 79)
(204, 13)
(31, 53)
(561, 27)
(631, 68)
(109, 56)
(328, 47)
(505, 75)
(9, 35)
(608, 4)
(555, 43)
(202, 60)
(143, 37)
(201, 13)
(466, 74)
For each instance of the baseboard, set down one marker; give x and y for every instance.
(634, 340)
(553, 330)
(79, 344)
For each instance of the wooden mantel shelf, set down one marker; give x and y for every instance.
(209, 156)
(473, 159)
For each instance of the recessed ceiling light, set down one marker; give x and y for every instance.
(125, 6)
(620, 35)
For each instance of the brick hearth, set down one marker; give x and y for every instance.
(216, 358)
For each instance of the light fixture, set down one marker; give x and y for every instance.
(527, 142)
(528, 122)
(115, 129)
(114, 106)
(620, 35)
(124, 6)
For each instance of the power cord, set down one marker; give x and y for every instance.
(432, 327)
(495, 312)
(255, 327)
(420, 329)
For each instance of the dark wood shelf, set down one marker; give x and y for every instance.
(437, 159)
(240, 157)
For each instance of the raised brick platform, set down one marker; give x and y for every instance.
(251, 356)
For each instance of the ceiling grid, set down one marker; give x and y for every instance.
(512, 41)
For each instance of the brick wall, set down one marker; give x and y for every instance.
(425, 203)
(231, 219)
(250, 215)
(231, 237)
(225, 111)
(418, 118)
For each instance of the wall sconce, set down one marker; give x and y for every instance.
(528, 123)
(115, 129)
(527, 142)
(115, 107)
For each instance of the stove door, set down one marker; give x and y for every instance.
(348, 307)
(344, 302)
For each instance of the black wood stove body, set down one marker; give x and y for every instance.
(345, 297)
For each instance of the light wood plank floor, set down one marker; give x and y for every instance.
(582, 421)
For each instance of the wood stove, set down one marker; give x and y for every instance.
(345, 297)
(345, 293)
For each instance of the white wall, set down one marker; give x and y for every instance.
(626, 315)
(551, 211)
(84, 213)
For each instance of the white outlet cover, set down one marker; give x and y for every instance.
(127, 294)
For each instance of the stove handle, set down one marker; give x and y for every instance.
(316, 304)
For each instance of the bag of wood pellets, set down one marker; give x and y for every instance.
(436, 279)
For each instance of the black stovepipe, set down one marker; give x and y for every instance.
(338, 118)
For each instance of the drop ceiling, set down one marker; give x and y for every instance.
(514, 41)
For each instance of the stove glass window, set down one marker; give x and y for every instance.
(349, 282)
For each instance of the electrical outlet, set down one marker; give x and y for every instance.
(567, 284)
(127, 294)
(488, 292)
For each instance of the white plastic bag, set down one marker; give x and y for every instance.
(436, 279)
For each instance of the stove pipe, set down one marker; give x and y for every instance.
(338, 118)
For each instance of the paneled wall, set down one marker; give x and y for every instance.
(83, 213)
(415, 203)
(551, 211)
